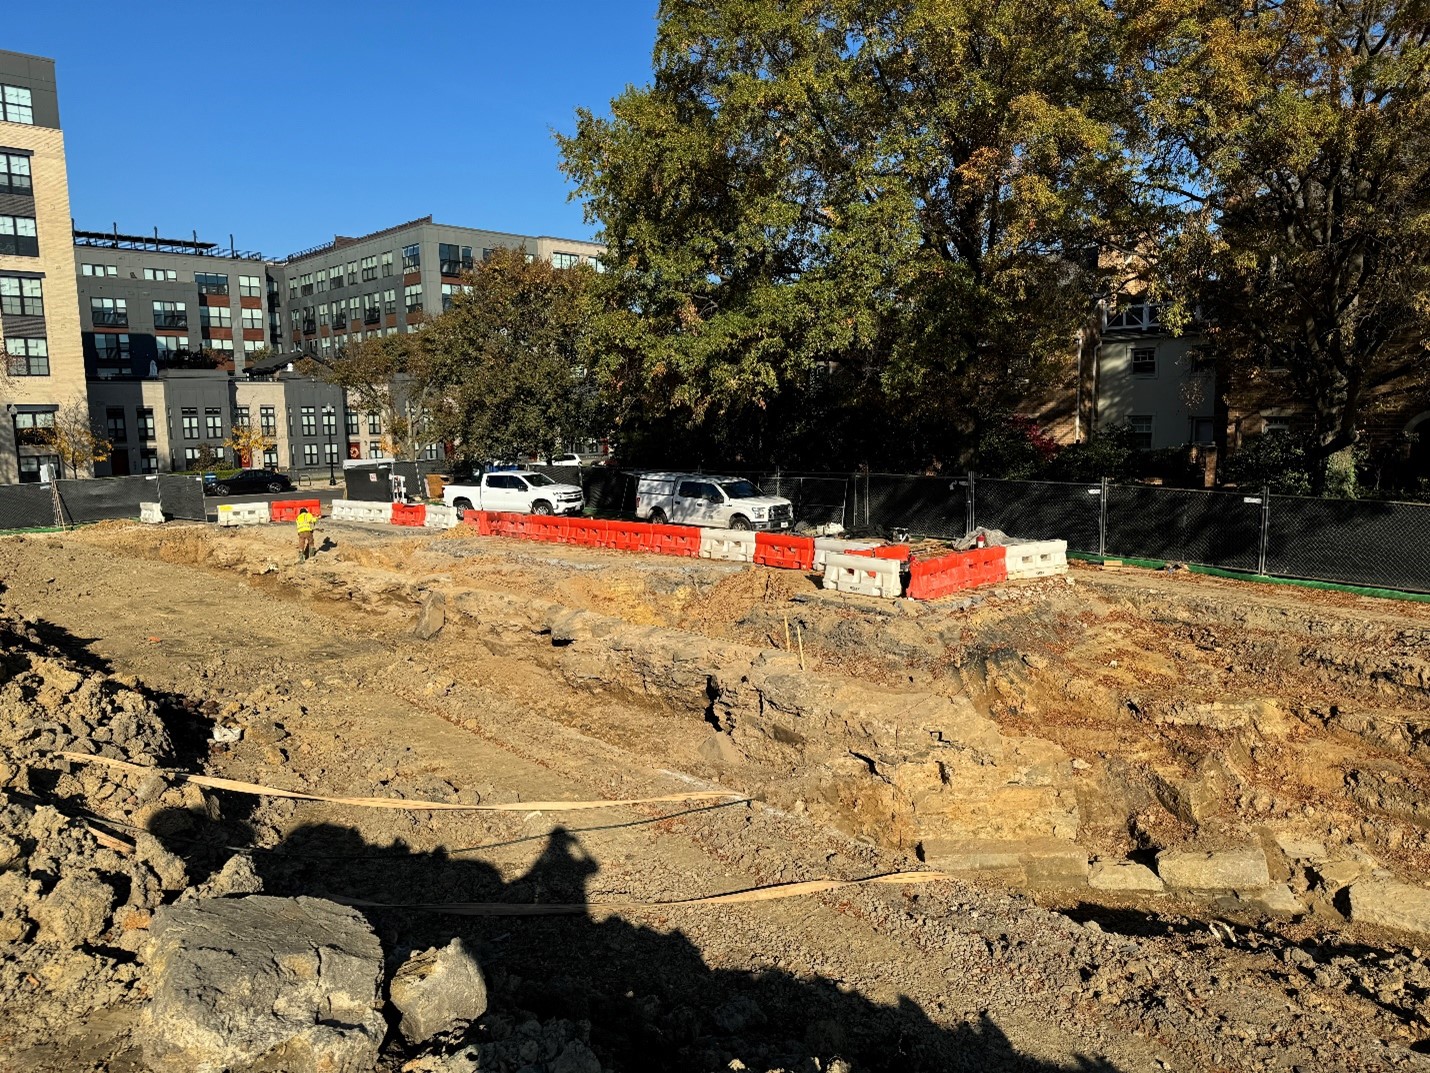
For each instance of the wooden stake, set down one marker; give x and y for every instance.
(786, 633)
(799, 634)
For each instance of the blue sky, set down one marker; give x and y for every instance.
(285, 123)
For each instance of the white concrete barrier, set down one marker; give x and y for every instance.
(862, 574)
(242, 513)
(440, 517)
(360, 510)
(824, 545)
(151, 513)
(1037, 558)
(728, 545)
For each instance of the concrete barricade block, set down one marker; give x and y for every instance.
(440, 517)
(864, 575)
(151, 513)
(357, 510)
(1037, 558)
(824, 545)
(230, 514)
(728, 545)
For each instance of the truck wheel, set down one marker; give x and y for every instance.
(740, 523)
(657, 517)
(541, 507)
(462, 506)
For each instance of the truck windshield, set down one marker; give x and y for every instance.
(537, 480)
(740, 490)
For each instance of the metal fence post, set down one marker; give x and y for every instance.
(1265, 529)
(1102, 517)
(970, 521)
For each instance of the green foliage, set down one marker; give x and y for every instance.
(894, 202)
(1015, 449)
(507, 364)
(388, 375)
(1279, 460)
(1109, 452)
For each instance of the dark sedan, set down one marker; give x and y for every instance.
(248, 480)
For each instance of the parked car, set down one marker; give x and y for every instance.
(247, 481)
(717, 502)
(515, 490)
(566, 460)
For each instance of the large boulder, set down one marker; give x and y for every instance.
(1230, 869)
(1391, 904)
(262, 984)
(438, 991)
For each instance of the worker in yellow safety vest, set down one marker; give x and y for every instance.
(306, 522)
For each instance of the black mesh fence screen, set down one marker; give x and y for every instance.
(925, 506)
(182, 497)
(26, 506)
(32, 506)
(818, 499)
(1213, 528)
(1383, 545)
(1041, 510)
(97, 500)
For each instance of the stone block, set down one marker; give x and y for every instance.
(1123, 876)
(1231, 869)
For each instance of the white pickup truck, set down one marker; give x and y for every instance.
(517, 490)
(718, 502)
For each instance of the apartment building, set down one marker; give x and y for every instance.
(39, 321)
(1158, 384)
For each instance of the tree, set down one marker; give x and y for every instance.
(388, 375)
(75, 438)
(1291, 141)
(892, 210)
(248, 443)
(508, 364)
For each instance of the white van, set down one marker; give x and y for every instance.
(716, 502)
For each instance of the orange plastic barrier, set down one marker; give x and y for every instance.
(930, 579)
(588, 532)
(786, 552)
(286, 510)
(483, 521)
(676, 540)
(403, 514)
(630, 536)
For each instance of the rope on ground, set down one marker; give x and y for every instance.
(259, 790)
(773, 893)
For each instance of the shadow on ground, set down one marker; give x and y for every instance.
(650, 998)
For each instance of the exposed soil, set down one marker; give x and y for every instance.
(1131, 712)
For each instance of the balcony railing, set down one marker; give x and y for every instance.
(171, 320)
(309, 327)
(340, 321)
(371, 316)
(111, 318)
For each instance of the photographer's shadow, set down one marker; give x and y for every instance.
(651, 1000)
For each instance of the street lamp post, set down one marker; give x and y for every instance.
(330, 424)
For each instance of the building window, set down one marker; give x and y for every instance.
(310, 454)
(374, 449)
(293, 287)
(430, 452)
(374, 424)
(1203, 430)
(450, 291)
(352, 422)
(114, 425)
(112, 353)
(250, 286)
(30, 467)
(389, 302)
(213, 423)
(369, 268)
(305, 283)
(412, 297)
(109, 312)
(212, 282)
(144, 428)
(171, 315)
(252, 318)
(411, 258)
(1144, 361)
(190, 419)
(222, 347)
(16, 105)
(330, 421)
(565, 260)
(216, 316)
(335, 276)
(31, 429)
(15, 174)
(148, 460)
(191, 457)
(21, 297)
(454, 259)
(98, 270)
(270, 458)
(322, 280)
(1141, 431)
(161, 275)
(28, 357)
(352, 273)
(330, 453)
(172, 347)
(1275, 425)
(18, 236)
(310, 420)
(268, 420)
(387, 263)
(253, 346)
(372, 308)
